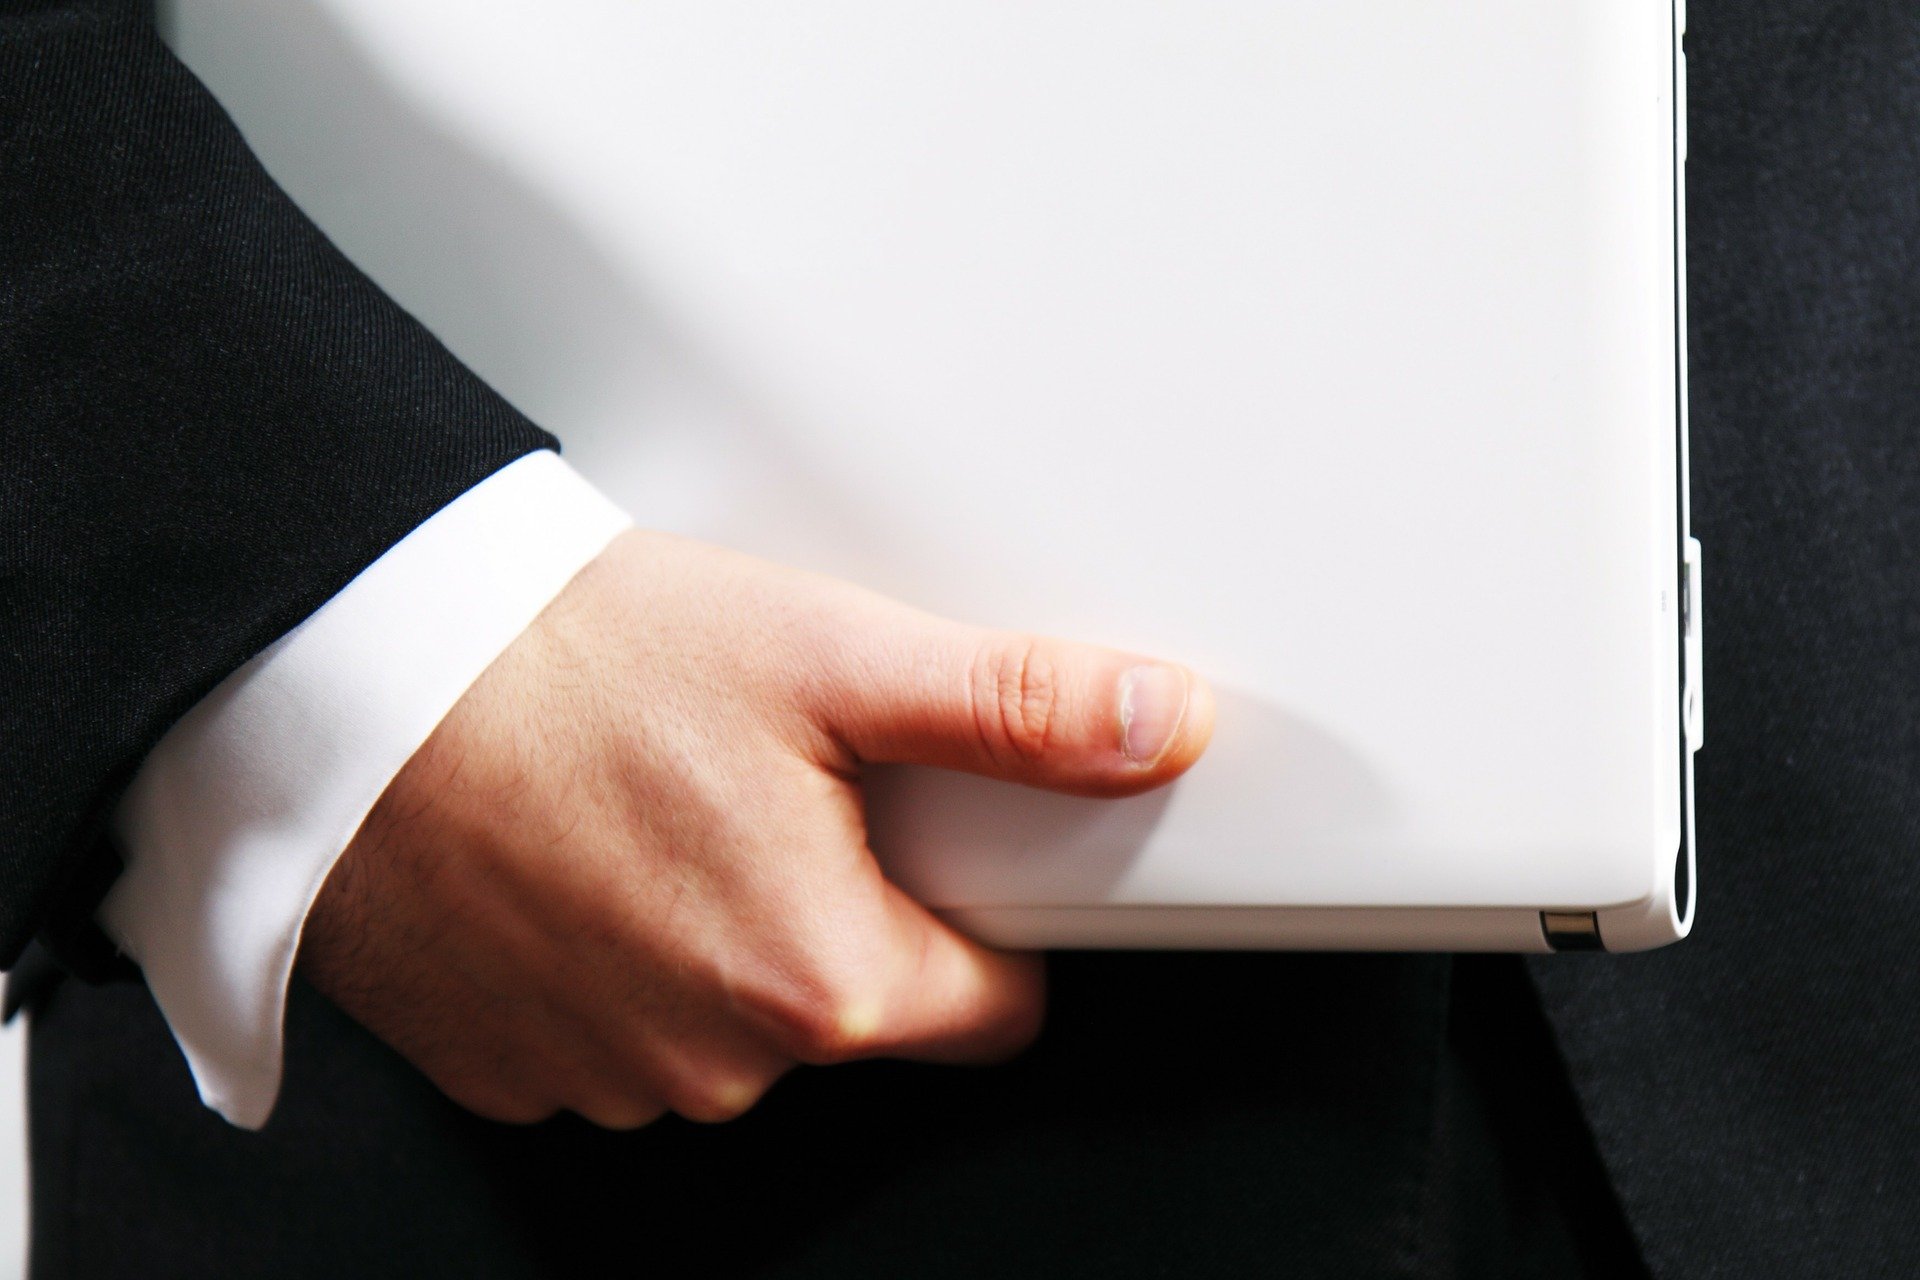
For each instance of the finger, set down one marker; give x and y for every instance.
(620, 1111)
(1049, 713)
(714, 1076)
(950, 999)
(725, 1091)
(596, 1085)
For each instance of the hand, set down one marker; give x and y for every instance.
(628, 873)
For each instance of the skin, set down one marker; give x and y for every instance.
(628, 874)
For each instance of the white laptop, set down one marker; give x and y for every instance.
(1333, 347)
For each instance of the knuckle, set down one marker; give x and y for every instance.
(621, 1114)
(1015, 698)
(827, 1022)
(493, 1089)
(717, 1098)
(839, 1030)
(503, 1106)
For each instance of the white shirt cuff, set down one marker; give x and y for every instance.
(235, 819)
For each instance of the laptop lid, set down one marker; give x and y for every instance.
(1329, 346)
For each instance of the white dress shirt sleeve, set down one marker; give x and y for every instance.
(235, 819)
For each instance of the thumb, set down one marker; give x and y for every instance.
(1049, 713)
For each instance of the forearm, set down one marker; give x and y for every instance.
(236, 818)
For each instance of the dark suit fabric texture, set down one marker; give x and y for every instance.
(1744, 1104)
(209, 423)
(1756, 1090)
(1183, 1116)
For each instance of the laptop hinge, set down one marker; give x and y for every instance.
(1572, 930)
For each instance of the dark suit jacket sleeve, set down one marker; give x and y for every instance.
(209, 423)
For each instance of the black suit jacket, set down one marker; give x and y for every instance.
(1756, 1089)
(211, 422)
